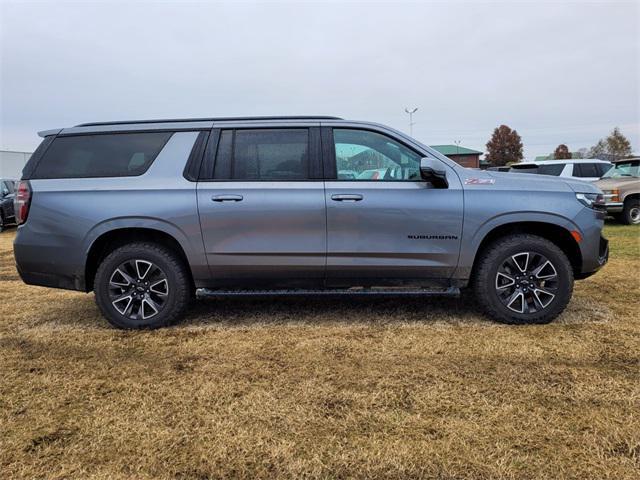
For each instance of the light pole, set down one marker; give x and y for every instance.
(457, 142)
(411, 112)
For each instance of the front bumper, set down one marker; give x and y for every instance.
(603, 251)
(614, 207)
(595, 263)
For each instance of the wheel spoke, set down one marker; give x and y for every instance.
(124, 281)
(142, 268)
(504, 281)
(122, 303)
(543, 297)
(546, 271)
(521, 261)
(161, 287)
(148, 303)
(516, 302)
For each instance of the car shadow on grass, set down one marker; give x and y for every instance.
(79, 311)
(346, 309)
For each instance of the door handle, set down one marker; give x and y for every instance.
(347, 197)
(227, 198)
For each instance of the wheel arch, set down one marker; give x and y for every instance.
(557, 234)
(109, 240)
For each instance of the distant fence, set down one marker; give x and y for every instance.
(12, 163)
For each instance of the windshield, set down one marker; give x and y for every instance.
(624, 169)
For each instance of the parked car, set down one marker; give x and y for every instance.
(621, 186)
(347, 174)
(7, 188)
(588, 170)
(144, 213)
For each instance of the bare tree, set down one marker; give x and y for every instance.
(613, 147)
(617, 144)
(598, 150)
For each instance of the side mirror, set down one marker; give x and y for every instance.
(434, 171)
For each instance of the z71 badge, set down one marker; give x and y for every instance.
(479, 181)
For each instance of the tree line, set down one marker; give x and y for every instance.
(505, 147)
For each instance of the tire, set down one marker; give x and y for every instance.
(502, 262)
(631, 212)
(1, 222)
(142, 285)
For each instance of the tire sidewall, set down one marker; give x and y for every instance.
(565, 281)
(113, 261)
(627, 212)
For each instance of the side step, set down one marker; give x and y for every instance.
(442, 292)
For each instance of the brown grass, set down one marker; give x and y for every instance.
(323, 388)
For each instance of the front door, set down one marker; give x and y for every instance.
(262, 212)
(385, 225)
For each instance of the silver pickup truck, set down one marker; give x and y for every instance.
(621, 187)
(148, 213)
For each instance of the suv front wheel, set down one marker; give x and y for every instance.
(523, 279)
(142, 285)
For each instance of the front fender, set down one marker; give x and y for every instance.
(473, 235)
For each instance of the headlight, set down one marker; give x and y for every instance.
(591, 200)
(612, 195)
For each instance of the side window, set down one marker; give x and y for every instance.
(264, 154)
(584, 170)
(101, 155)
(551, 169)
(364, 155)
(603, 168)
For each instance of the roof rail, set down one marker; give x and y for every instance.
(214, 119)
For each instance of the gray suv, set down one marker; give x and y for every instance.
(147, 213)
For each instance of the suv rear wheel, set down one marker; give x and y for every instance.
(142, 285)
(522, 279)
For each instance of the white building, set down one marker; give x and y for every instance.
(12, 163)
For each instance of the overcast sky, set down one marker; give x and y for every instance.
(557, 72)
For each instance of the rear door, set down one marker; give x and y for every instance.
(262, 208)
(388, 227)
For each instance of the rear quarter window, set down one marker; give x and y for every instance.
(101, 155)
(551, 169)
(524, 168)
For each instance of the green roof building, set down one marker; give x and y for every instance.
(466, 157)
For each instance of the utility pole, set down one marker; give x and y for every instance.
(411, 112)
(457, 142)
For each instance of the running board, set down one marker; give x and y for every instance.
(443, 292)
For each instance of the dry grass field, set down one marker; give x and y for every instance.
(323, 388)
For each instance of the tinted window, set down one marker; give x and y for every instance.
(603, 168)
(551, 169)
(586, 170)
(364, 155)
(108, 155)
(524, 168)
(266, 154)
